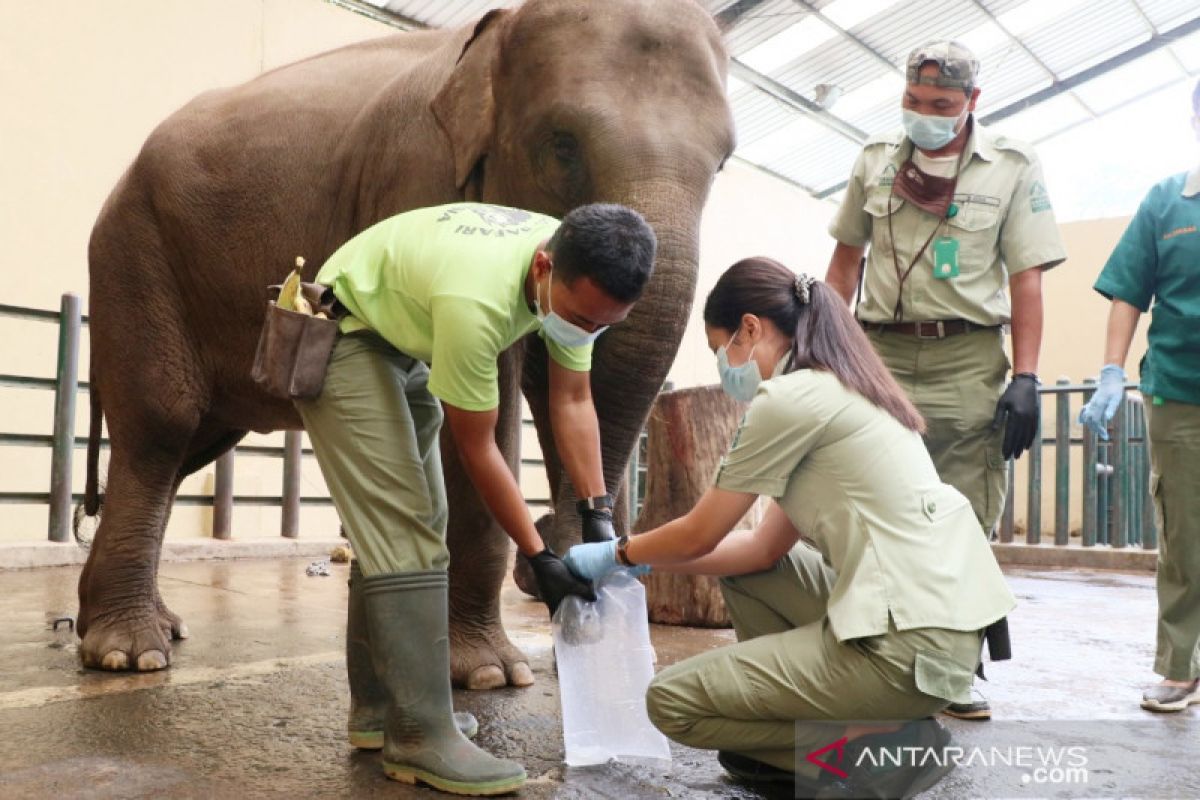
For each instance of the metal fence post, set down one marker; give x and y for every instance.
(65, 390)
(1119, 479)
(1033, 516)
(223, 496)
(1062, 465)
(1089, 478)
(1149, 526)
(292, 458)
(1007, 518)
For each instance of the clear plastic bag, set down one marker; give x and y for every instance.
(605, 662)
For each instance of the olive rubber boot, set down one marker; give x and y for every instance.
(368, 698)
(407, 615)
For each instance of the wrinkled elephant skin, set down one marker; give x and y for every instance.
(546, 107)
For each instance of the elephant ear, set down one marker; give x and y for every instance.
(465, 106)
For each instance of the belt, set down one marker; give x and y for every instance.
(932, 329)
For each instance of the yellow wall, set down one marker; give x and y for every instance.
(86, 81)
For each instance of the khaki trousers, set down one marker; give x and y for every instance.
(955, 383)
(374, 429)
(1175, 486)
(788, 667)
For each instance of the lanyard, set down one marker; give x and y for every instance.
(902, 276)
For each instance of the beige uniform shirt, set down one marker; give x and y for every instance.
(862, 488)
(1004, 225)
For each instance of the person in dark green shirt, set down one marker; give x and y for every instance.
(1158, 261)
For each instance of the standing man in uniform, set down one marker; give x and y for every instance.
(1158, 258)
(434, 296)
(953, 214)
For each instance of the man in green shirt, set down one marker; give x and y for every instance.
(434, 297)
(953, 215)
(1158, 259)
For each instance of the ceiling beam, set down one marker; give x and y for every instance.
(734, 13)
(795, 101)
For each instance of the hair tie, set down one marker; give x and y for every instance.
(801, 287)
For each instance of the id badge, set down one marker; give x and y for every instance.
(945, 258)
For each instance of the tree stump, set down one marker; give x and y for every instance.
(688, 432)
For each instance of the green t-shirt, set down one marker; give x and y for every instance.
(446, 285)
(1158, 258)
(862, 488)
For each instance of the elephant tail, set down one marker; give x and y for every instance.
(92, 498)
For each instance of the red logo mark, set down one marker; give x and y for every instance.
(840, 747)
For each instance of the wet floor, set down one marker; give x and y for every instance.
(254, 705)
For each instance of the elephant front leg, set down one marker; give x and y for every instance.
(481, 655)
(122, 619)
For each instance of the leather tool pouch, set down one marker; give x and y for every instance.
(294, 348)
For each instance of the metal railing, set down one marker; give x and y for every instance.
(63, 443)
(1113, 488)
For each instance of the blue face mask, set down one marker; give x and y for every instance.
(564, 333)
(929, 132)
(740, 382)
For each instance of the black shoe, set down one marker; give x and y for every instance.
(880, 777)
(752, 770)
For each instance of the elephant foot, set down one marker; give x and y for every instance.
(486, 659)
(523, 577)
(131, 640)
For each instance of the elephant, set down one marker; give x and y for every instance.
(544, 107)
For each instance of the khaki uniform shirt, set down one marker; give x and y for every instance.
(861, 487)
(1004, 225)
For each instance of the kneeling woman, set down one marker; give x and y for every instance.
(863, 593)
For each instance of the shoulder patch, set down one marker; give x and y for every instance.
(1023, 149)
(1039, 198)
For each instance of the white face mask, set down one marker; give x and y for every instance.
(560, 330)
(930, 131)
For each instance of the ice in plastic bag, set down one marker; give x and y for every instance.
(605, 663)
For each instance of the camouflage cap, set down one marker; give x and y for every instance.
(957, 65)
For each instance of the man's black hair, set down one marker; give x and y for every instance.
(609, 243)
(1196, 99)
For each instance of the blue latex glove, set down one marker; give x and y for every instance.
(1103, 405)
(593, 560)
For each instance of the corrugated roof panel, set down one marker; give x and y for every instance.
(823, 160)
(998, 7)
(1087, 35)
(909, 25)
(1167, 14)
(761, 24)
(1006, 75)
(755, 114)
(1044, 119)
(1187, 50)
(777, 144)
(1123, 84)
(794, 42)
(834, 63)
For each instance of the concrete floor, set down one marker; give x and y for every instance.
(255, 703)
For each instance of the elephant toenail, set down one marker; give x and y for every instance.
(486, 677)
(115, 659)
(151, 660)
(520, 674)
(182, 631)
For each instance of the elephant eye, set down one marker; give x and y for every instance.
(566, 148)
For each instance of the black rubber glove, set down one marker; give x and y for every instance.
(1022, 406)
(555, 581)
(597, 525)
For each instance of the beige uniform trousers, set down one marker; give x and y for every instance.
(788, 667)
(1175, 486)
(374, 429)
(955, 383)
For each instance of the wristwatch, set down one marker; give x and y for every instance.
(622, 555)
(601, 503)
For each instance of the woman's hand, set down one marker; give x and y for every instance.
(594, 560)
